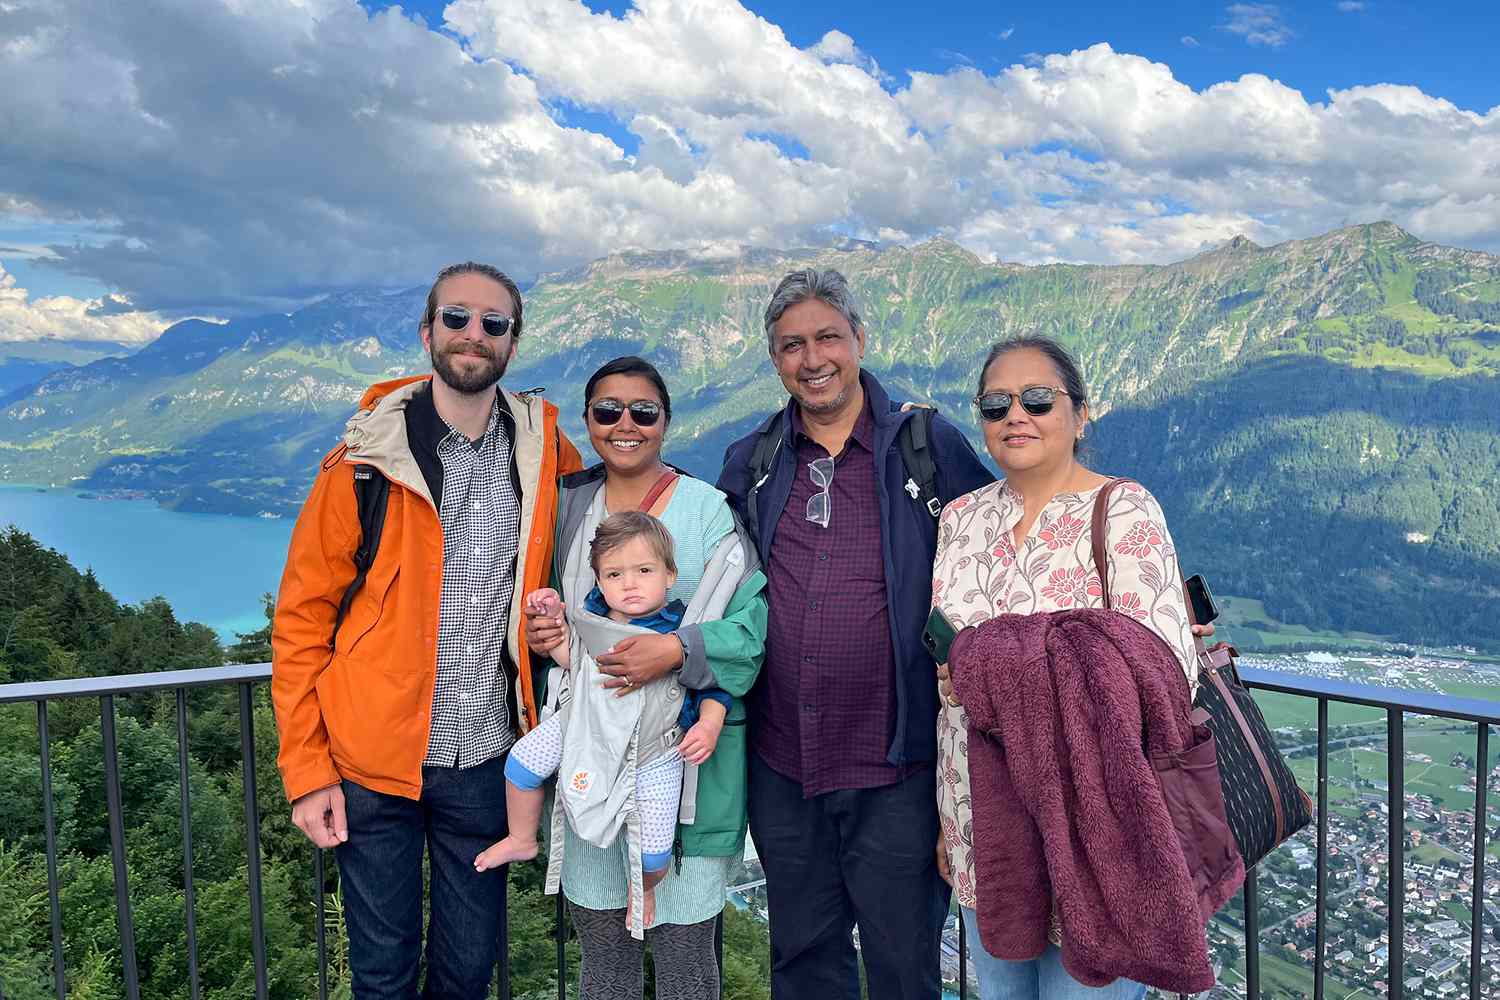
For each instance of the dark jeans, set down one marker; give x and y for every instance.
(380, 869)
(857, 857)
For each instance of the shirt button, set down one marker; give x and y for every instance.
(807, 659)
(474, 599)
(822, 557)
(478, 550)
(476, 506)
(813, 605)
(808, 708)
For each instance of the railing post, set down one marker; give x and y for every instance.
(49, 826)
(1396, 837)
(320, 935)
(184, 798)
(1252, 936)
(963, 960)
(502, 950)
(252, 841)
(1321, 933)
(719, 947)
(117, 846)
(562, 949)
(1476, 912)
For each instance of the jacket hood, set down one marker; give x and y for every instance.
(376, 434)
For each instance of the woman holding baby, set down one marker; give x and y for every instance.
(627, 411)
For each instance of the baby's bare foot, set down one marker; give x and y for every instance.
(504, 852)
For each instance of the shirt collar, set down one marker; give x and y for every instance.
(863, 433)
(438, 433)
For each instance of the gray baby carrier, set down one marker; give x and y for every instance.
(607, 739)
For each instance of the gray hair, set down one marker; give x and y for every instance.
(827, 286)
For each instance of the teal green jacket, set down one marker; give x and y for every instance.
(726, 654)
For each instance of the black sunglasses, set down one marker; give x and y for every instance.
(1035, 400)
(457, 318)
(643, 412)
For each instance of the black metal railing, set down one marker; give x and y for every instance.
(106, 689)
(1395, 703)
(244, 678)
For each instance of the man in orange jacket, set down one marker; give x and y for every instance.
(395, 723)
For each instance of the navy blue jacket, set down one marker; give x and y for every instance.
(908, 544)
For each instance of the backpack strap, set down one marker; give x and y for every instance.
(762, 457)
(921, 470)
(371, 491)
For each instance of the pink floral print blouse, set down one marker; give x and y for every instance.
(979, 573)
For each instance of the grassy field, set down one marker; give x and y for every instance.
(1280, 977)
(1236, 615)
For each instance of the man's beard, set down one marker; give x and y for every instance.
(468, 382)
(833, 405)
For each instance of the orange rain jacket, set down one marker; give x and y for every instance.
(361, 709)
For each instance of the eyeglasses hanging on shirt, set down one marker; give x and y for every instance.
(819, 505)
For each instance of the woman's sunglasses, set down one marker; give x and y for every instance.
(643, 412)
(457, 318)
(1035, 400)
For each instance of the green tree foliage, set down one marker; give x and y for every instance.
(1345, 498)
(58, 623)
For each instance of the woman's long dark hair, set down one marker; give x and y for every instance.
(629, 365)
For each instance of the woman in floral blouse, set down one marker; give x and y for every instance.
(1023, 546)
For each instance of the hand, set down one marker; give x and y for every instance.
(544, 632)
(1204, 630)
(945, 684)
(944, 869)
(320, 815)
(698, 745)
(544, 601)
(638, 660)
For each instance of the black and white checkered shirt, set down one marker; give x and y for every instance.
(481, 516)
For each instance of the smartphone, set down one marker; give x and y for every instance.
(1204, 608)
(938, 635)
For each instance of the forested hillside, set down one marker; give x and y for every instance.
(58, 623)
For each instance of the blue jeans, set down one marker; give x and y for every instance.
(859, 856)
(459, 814)
(1040, 978)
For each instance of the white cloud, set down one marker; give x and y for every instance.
(1258, 24)
(1190, 41)
(1005, 35)
(1351, 6)
(837, 47)
(60, 317)
(296, 147)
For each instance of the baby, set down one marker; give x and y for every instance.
(634, 566)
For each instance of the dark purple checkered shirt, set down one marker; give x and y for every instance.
(824, 709)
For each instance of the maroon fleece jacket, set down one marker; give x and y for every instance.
(1068, 807)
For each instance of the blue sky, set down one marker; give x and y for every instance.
(218, 158)
(1446, 49)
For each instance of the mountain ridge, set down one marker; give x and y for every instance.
(1383, 327)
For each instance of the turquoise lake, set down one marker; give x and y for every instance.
(211, 568)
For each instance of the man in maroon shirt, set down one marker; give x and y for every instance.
(842, 722)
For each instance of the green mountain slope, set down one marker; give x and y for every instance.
(1317, 416)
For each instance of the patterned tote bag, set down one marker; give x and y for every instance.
(1262, 800)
